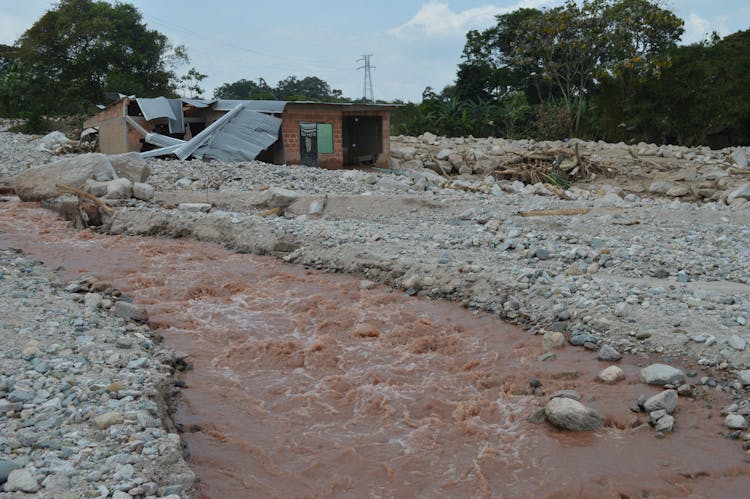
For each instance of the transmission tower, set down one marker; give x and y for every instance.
(367, 93)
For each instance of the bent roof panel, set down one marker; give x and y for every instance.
(242, 138)
(157, 107)
(261, 106)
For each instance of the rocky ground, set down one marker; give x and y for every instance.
(83, 393)
(650, 255)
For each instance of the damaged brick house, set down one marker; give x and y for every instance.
(310, 133)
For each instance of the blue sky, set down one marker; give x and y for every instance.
(414, 43)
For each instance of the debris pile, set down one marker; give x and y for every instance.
(83, 188)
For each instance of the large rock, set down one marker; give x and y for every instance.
(571, 415)
(131, 166)
(119, 188)
(21, 481)
(735, 422)
(144, 192)
(37, 184)
(666, 400)
(276, 197)
(739, 158)
(662, 374)
(744, 377)
(5, 468)
(52, 142)
(130, 311)
(741, 192)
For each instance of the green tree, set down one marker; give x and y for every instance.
(574, 45)
(488, 68)
(240, 89)
(308, 88)
(87, 48)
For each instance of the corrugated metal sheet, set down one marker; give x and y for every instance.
(261, 106)
(190, 146)
(176, 125)
(158, 139)
(200, 103)
(164, 151)
(158, 107)
(242, 138)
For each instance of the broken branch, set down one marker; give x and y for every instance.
(561, 212)
(82, 194)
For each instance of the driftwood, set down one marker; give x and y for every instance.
(562, 212)
(558, 167)
(85, 195)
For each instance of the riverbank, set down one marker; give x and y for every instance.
(84, 395)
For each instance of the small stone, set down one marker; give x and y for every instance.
(547, 357)
(666, 400)
(131, 311)
(21, 481)
(622, 310)
(104, 421)
(571, 415)
(665, 424)
(92, 301)
(655, 416)
(735, 422)
(611, 375)
(685, 390)
(744, 377)
(144, 192)
(661, 374)
(737, 342)
(5, 468)
(739, 158)
(553, 340)
(195, 207)
(608, 354)
(642, 335)
(118, 494)
(542, 253)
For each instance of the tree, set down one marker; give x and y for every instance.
(488, 68)
(575, 45)
(240, 89)
(290, 88)
(85, 48)
(308, 88)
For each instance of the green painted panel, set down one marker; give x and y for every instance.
(325, 138)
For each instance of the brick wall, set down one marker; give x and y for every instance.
(291, 119)
(311, 113)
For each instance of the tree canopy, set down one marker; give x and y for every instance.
(291, 88)
(81, 49)
(601, 69)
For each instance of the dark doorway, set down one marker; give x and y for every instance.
(308, 144)
(363, 139)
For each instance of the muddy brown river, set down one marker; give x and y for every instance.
(305, 385)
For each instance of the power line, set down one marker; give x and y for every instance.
(367, 88)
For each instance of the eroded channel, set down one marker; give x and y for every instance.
(306, 385)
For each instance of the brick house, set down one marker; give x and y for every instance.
(329, 135)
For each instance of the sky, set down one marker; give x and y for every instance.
(414, 44)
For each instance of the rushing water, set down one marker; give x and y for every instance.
(305, 385)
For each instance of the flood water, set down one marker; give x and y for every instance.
(304, 385)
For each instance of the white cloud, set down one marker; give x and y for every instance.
(696, 28)
(435, 18)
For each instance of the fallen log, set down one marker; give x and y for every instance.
(561, 212)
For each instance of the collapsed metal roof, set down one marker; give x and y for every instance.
(239, 135)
